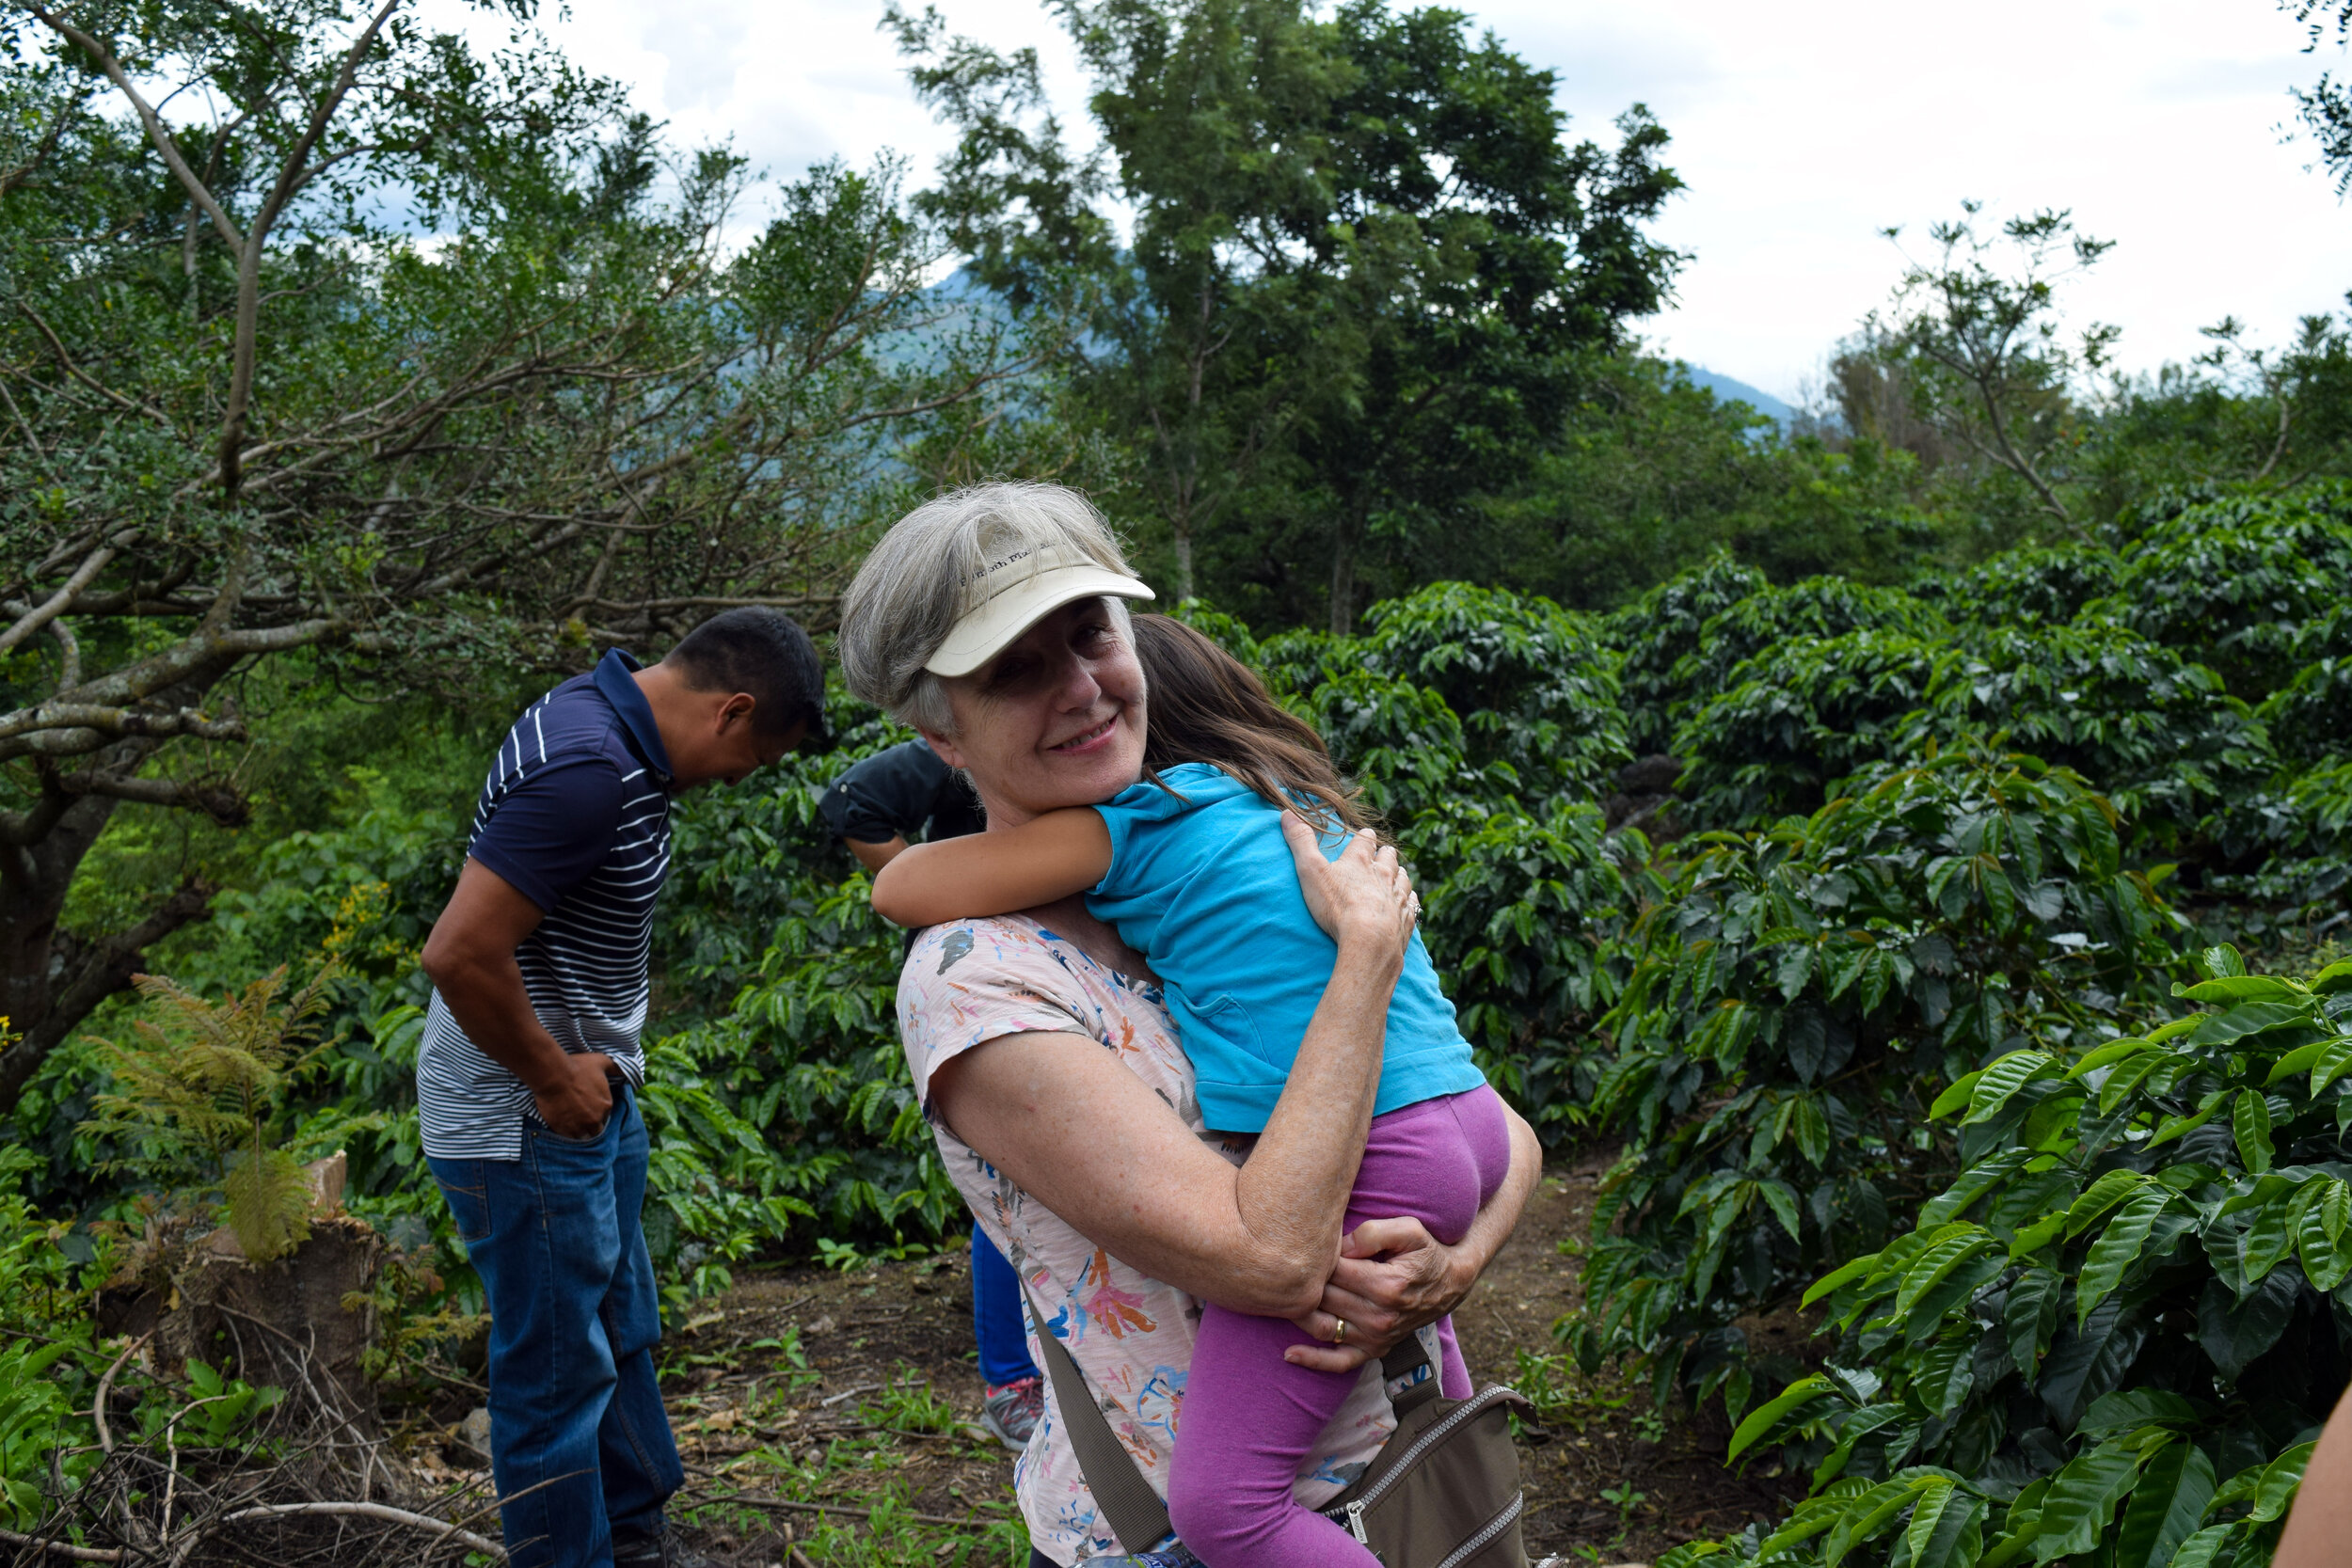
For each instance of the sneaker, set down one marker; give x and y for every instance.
(1011, 1411)
(635, 1550)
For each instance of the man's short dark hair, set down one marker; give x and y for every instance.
(762, 652)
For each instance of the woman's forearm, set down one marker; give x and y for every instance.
(1292, 1195)
(1395, 1277)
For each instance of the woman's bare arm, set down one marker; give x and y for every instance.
(1077, 1131)
(1051, 857)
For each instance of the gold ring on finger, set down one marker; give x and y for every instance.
(1339, 1336)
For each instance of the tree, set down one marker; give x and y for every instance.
(393, 360)
(1980, 342)
(2326, 107)
(1475, 253)
(1362, 257)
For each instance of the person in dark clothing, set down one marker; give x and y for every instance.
(877, 808)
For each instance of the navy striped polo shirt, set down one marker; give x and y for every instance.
(576, 818)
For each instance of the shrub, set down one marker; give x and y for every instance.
(1532, 685)
(1798, 716)
(2026, 588)
(796, 1104)
(2311, 715)
(1659, 630)
(1818, 607)
(1796, 999)
(2235, 581)
(2152, 731)
(743, 861)
(1521, 933)
(1405, 748)
(2111, 1337)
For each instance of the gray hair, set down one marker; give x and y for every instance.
(911, 590)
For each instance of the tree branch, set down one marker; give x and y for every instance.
(156, 133)
(117, 723)
(92, 972)
(65, 362)
(62, 600)
(224, 806)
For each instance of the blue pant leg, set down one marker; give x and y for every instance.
(548, 1250)
(996, 1315)
(638, 1455)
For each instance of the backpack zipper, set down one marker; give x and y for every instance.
(1469, 1409)
(1487, 1532)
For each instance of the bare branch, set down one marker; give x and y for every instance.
(63, 1548)
(224, 806)
(290, 181)
(373, 1510)
(62, 600)
(69, 655)
(117, 722)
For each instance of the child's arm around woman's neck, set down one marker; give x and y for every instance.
(996, 872)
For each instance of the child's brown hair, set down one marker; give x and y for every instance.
(1202, 704)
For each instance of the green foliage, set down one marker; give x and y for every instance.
(2156, 733)
(1661, 628)
(1818, 607)
(1797, 717)
(1535, 688)
(202, 1096)
(2117, 1329)
(1520, 933)
(745, 858)
(49, 1360)
(2026, 588)
(1797, 997)
(2239, 580)
(2149, 729)
(2310, 716)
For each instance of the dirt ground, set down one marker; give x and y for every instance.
(1609, 1481)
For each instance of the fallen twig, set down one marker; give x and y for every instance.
(106, 1386)
(63, 1548)
(832, 1400)
(369, 1510)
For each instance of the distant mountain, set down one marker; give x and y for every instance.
(1728, 391)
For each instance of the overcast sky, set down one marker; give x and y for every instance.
(1802, 130)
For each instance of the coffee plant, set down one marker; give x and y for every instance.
(1796, 1000)
(2114, 1335)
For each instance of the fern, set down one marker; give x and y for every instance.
(199, 1093)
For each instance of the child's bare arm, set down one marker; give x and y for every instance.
(994, 873)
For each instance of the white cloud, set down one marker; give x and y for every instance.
(1801, 130)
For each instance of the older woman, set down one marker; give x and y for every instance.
(993, 621)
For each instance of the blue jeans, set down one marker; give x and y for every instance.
(580, 1442)
(996, 1315)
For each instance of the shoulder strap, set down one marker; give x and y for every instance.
(1138, 1516)
(1404, 1359)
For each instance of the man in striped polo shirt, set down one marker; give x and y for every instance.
(532, 1049)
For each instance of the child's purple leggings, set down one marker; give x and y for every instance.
(1250, 1418)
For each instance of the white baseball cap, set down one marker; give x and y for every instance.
(1011, 595)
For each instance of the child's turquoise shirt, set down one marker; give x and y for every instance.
(1203, 882)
